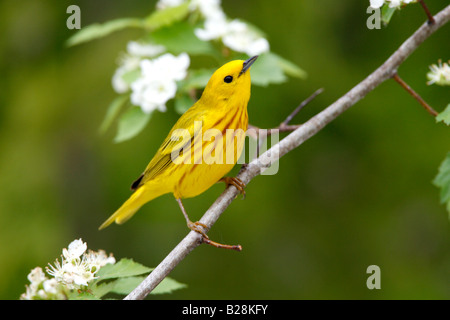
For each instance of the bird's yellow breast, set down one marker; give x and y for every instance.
(214, 153)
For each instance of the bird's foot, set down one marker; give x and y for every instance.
(236, 182)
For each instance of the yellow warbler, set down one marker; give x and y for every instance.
(203, 145)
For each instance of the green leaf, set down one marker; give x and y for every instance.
(99, 290)
(126, 285)
(131, 123)
(290, 68)
(442, 180)
(130, 76)
(112, 112)
(167, 286)
(99, 30)
(267, 70)
(183, 103)
(197, 79)
(179, 38)
(444, 116)
(122, 268)
(81, 295)
(167, 16)
(386, 14)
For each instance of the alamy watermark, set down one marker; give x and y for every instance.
(230, 146)
(374, 20)
(374, 280)
(74, 20)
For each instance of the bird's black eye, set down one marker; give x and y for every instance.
(228, 79)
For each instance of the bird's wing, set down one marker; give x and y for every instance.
(170, 149)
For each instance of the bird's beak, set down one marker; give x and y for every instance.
(247, 64)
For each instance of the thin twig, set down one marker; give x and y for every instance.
(236, 247)
(427, 11)
(284, 126)
(289, 118)
(415, 95)
(292, 141)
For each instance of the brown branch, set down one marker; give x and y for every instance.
(427, 12)
(415, 95)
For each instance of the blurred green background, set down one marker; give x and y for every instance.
(356, 194)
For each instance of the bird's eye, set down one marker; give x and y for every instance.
(228, 79)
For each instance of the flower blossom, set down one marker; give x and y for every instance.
(77, 267)
(392, 3)
(439, 74)
(129, 62)
(42, 288)
(235, 34)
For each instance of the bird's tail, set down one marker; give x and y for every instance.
(142, 195)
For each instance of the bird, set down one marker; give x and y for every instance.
(201, 148)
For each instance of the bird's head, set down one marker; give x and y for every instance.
(230, 82)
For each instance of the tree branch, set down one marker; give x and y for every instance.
(293, 140)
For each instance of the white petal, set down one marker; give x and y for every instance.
(144, 49)
(376, 3)
(76, 248)
(257, 47)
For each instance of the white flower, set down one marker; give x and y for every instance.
(41, 287)
(75, 249)
(152, 95)
(240, 38)
(36, 275)
(157, 83)
(51, 286)
(392, 3)
(212, 29)
(76, 269)
(96, 260)
(130, 61)
(376, 3)
(210, 9)
(56, 271)
(235, 34)
(439, 74)
(174, 67)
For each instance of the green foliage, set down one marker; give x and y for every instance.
(123, 268)
(121, 278)
(99, 30)
(442, 180)
(183, 103)
(196, 79)
(179, 37)
(387, 13)
(167, 16)
(112, 112)
(131, 123)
